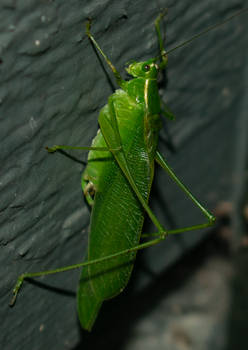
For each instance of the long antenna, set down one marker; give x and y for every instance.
(207, 30)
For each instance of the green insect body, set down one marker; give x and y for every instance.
(139, 123)
(117, 183)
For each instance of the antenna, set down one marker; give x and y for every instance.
(208, 29)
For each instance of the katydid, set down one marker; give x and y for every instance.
(117, 183)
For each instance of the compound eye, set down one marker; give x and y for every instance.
(146, 67)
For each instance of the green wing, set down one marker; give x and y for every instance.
(117, 215)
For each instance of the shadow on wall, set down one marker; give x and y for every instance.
(192, 289)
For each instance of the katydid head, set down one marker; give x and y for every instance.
(147, 69)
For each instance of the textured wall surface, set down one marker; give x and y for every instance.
(51, 89)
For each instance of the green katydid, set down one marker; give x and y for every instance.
(118, 179)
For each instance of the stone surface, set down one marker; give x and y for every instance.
(52, 87)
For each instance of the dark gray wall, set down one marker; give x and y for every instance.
(52, 87)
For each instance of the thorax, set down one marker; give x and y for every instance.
(144, 91)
